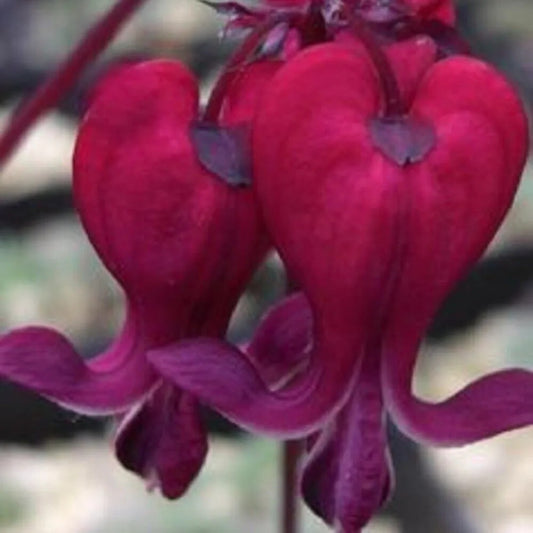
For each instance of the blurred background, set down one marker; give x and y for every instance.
(57, 471)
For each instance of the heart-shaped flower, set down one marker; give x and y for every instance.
(180, 241)
(388, 240)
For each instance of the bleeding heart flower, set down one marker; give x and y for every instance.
(181, 242)
(389, 236)
(382, 179)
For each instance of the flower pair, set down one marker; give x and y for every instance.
(381, 164)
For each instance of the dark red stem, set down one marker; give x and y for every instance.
(313, 29)
(290, 516)
(47, 96)
(393, 103)
(233, 68)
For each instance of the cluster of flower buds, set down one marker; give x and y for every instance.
(361, 141)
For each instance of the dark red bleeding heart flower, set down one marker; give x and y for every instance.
(181, 242)
(400, 233)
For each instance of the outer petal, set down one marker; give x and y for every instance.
(133, 170)
(164, 441)
(44, 361)
(346, 476)
(315, 167)
(142, 197)
(151, 210)
(225, 379)
(458, 197)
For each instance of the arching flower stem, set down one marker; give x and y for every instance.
(393, 105)
(233, 68)
(95, 41)
(291, 454)
(313, 28)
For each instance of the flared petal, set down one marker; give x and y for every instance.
(242, 385)
(347, 476)
(283, 340)
(45, 362)
(224, 378)
(499, 402)
(163, 440)
(457, 198)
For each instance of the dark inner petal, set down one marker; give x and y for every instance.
(282, 342)
(346, 478)
(224, 150)
(164, 441)
(404, 140)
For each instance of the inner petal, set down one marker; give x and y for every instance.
(164, 440)
(347, 476)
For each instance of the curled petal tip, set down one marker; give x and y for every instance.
(44, 361)
(225, 379)
(496, 403)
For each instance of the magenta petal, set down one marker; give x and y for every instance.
(346, 477)
(493, 404)
(283, 340)
(164, 441)
(321, 199)
(225, 379)
(453, 215)
(44, 361)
